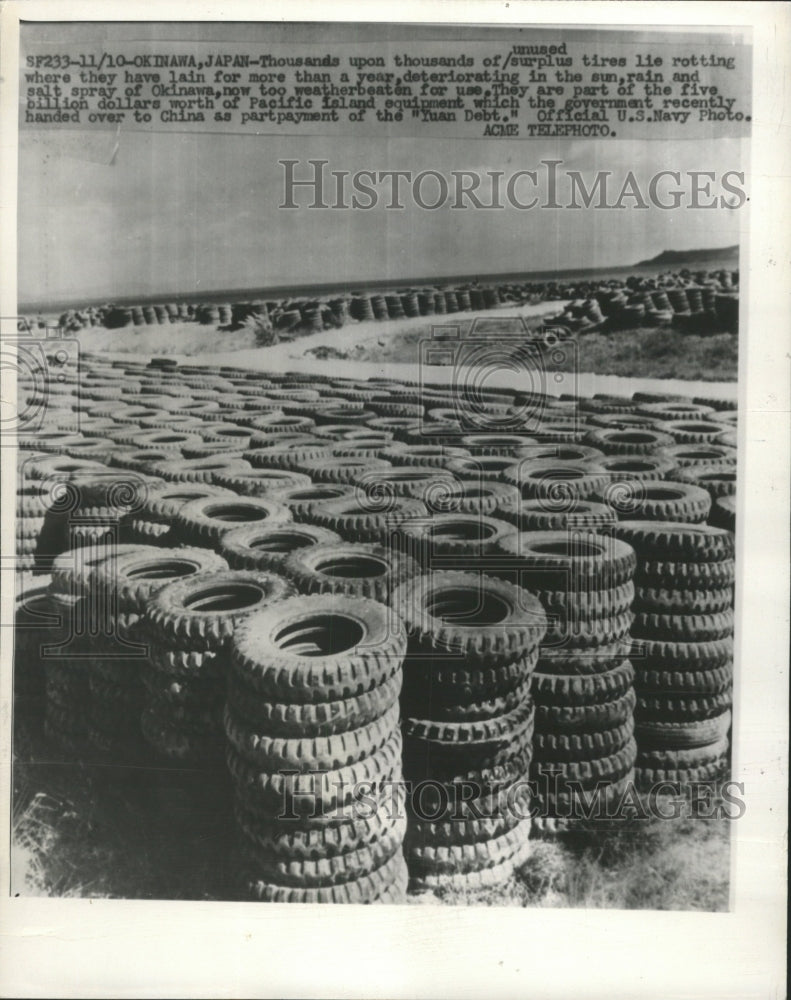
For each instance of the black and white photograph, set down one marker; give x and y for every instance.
(375, 489)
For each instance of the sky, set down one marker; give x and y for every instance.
(197, 212)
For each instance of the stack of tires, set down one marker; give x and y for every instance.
(188, 626)
(584, 749)
(69, 651)
(683, 656)
(119, 589)
(314, 751)
(468, 725)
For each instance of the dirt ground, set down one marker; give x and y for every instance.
(619, 363)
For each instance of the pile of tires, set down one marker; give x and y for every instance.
(188, 626)
(238, 494)
(683, 654)
(119, 589)
(584, 748)
(68, 653)
(467, 718)
(314, 751)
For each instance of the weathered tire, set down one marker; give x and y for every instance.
(178, 618)
(678, 708)
(507, 626)
(557, 482)
(677, 734)
(587, 604)
(690, 431)
(590, 689)
(539, 515)
(689, 575)
(629, 467)
(675, 410)
(133, 579)
(353, 569)
(163, 502)
(583, 745)
(659, 654)
(455, 681)
(549, 560)
(204, 522)
(338, 869)
(575, 718)
(659, 600)
(305, 501)
(507, 727)
(687, 627)
(333, 469)
(313, 794)
(682, 455)
(649, 777)
(268, 547)
(308, 753)
(358, 825)
(360, 519)
(462, 535)
(723, 513)
(718, 481)
(564, 660)
(658, 500)
(199, 470)
(683, 682)
(592, 770)
(575, 635)
(676, 542)
(373, 651)
(463, 858)
(260, 482)
(509, 807)
(367, 889)
(289, 719)
(672, 758)
(474, 881)
(627, 440)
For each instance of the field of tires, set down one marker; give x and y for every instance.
(297, 638)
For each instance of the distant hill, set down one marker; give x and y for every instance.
(688, 258)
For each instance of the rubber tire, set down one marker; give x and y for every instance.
(611, 563)
(174, 625)
(590, 689)
(195, 524)
(683, 602)
(575, 718)
(675, 542)
(284, 676)
(683, 627)
(678, 734)
(303, 567)
(120, 579)
(581, 746)
(689, 575)
(519, 630)
(308, 719)
(308, 753)
(241, 546)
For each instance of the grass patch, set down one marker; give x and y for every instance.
(660, 353)
(644, 352)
